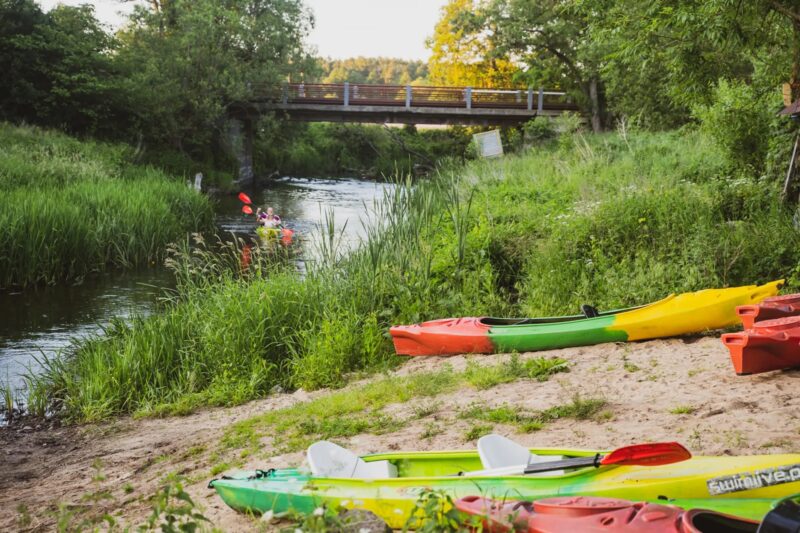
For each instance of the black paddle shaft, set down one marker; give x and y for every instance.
(575, 462)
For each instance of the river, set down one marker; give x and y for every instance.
(42, 321)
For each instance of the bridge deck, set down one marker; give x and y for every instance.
(409, 104)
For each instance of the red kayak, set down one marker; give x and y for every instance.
(769, 309)
(767, 345)
(597, 515)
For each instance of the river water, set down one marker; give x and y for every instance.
(42, 321)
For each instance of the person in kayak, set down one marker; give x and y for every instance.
(269, 219)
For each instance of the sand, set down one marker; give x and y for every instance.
(642, 383)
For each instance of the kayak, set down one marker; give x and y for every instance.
(769, 309)
(767, 345)
(675, 315)
(389, 484)
(270, 235)
(589, 514)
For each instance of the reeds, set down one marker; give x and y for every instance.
(68, 208)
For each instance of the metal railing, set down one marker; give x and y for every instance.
(351, 94)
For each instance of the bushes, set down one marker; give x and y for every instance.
(739, 121)
(68, 208)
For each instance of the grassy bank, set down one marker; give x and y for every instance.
(608, 220)
(70, 207)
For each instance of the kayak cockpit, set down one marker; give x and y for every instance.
(495, 456)
(588, 311)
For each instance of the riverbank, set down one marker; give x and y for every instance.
(69, 208)
(677, 389)
(611, 220)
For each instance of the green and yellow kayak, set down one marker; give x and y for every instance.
(692, 312)
(746, 486)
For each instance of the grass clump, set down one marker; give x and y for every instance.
(339, 414)
(477, 431)
(538, 368)
(579, 409)
(683, 410)
(69, 208)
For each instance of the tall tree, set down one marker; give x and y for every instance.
(58, 68)
(462, 53)
(189, 59)
(551, 38)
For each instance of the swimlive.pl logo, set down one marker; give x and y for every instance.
(754, 480)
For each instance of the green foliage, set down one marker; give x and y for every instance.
(538, 368)
(58, 68)
(69, 208)
(739, 122)
(435, 512)
(174, 511)
(375, 70)
(329, 149)
(541, 129)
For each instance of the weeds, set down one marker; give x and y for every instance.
(538, 368)
(683, 410)
(579, 409)
(435, 512)
(477, 431)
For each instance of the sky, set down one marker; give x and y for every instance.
(344, 28)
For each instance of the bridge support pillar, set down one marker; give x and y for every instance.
(240, 133)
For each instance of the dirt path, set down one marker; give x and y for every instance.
(682, 390)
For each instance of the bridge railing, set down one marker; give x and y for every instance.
(347, 94)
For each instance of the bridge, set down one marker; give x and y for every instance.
(408, 104)
(385, 104)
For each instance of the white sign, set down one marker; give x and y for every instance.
(489, 143)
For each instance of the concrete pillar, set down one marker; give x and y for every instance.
(408, 96)
(540, 106)
(347, 93)
(469, 97)
(240, 145)
(530, 98)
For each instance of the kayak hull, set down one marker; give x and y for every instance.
(683, 314)
(745, 486)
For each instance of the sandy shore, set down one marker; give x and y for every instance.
(677, 389)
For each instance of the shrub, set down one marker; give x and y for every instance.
(739, 122)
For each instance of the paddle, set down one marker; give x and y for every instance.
(244, 198)
(655, 454)
(247, 210)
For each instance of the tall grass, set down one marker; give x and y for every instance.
(69, 207)
(599, 220)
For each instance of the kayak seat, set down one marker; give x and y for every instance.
(327, 459)
(589, 311)
(498, 452)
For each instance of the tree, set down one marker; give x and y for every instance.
(551, 38)
(58, 68)
(187, 61)
(379, 70)
(462, 53)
